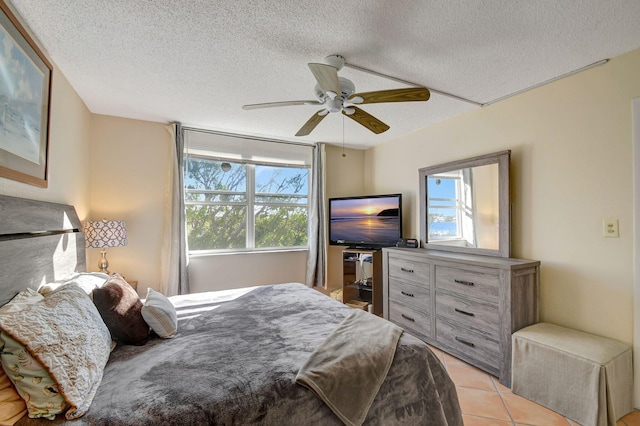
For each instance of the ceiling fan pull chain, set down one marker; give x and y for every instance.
(343, 154)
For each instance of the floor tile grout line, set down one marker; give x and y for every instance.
(491, 418)
(502, 399)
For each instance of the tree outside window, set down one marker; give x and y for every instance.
(237, 205)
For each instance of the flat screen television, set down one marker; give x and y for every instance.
(370, 221)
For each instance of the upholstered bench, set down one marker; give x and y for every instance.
(584, 377)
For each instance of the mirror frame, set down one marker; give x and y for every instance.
(503, 159)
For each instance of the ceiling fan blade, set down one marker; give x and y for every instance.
(279, 104)
(411, 94)
(311, 123)
(327, 77)
(367, 120)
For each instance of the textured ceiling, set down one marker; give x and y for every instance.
(199, 61)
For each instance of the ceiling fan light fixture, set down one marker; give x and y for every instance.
(349, 111)
(356, 100)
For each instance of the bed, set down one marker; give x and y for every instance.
(236, 354)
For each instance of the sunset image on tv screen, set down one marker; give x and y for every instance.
(365, 219)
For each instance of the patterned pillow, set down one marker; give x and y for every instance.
(31, 379)
(121, 309)
(64, 335)
(160, 314)
(12, 407)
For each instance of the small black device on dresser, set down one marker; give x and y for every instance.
(407, 243)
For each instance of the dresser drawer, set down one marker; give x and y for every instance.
(481, 317)
(414, 321)
(408, 270)
(470, 284)
(468, 345)
(407, 293)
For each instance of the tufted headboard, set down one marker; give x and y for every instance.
(40, 242)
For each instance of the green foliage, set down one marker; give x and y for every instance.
(216, 227)
(281, 226)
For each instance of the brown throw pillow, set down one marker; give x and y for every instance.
(121, 310)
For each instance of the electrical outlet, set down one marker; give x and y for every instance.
(610, 228)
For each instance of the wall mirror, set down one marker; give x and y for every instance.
(465, 206)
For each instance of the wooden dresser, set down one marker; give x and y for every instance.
(467, 305)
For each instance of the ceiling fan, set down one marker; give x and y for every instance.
(337, 94)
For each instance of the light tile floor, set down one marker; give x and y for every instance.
(485, 402)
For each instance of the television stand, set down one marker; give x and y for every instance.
(362, 278)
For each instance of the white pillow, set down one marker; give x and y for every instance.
(21, 300)
(160, 314)
(85, 280)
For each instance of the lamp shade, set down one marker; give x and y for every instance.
(105, 233)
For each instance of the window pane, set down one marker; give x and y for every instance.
(441, 187)
(442, 223)
(210, 175)
(280, 226)
(440, 230)
(282, 180)
(216, 227)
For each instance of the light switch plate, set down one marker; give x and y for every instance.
(610, 228)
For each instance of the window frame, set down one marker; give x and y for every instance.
(250, 202)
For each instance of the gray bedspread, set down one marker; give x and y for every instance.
(234, 361)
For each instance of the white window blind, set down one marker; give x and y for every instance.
(246, 149)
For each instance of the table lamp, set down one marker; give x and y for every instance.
(105, 233)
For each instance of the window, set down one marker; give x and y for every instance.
(245, 195)
(443, 206)
(450, 206)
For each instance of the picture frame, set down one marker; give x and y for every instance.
(25, 104)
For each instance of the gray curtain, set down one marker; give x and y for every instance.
(175, 258)
(183, 261)
(316, 262)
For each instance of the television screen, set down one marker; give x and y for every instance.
(366, 221)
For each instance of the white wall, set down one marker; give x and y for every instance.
(571, 167)
(129, 176)
(224, 271)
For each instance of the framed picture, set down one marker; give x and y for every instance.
(25, 93)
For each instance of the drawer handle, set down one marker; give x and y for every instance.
(471, 314)
(465, 342)
(463, 282)
(407, 294)
(408, 318)
(406, 270)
